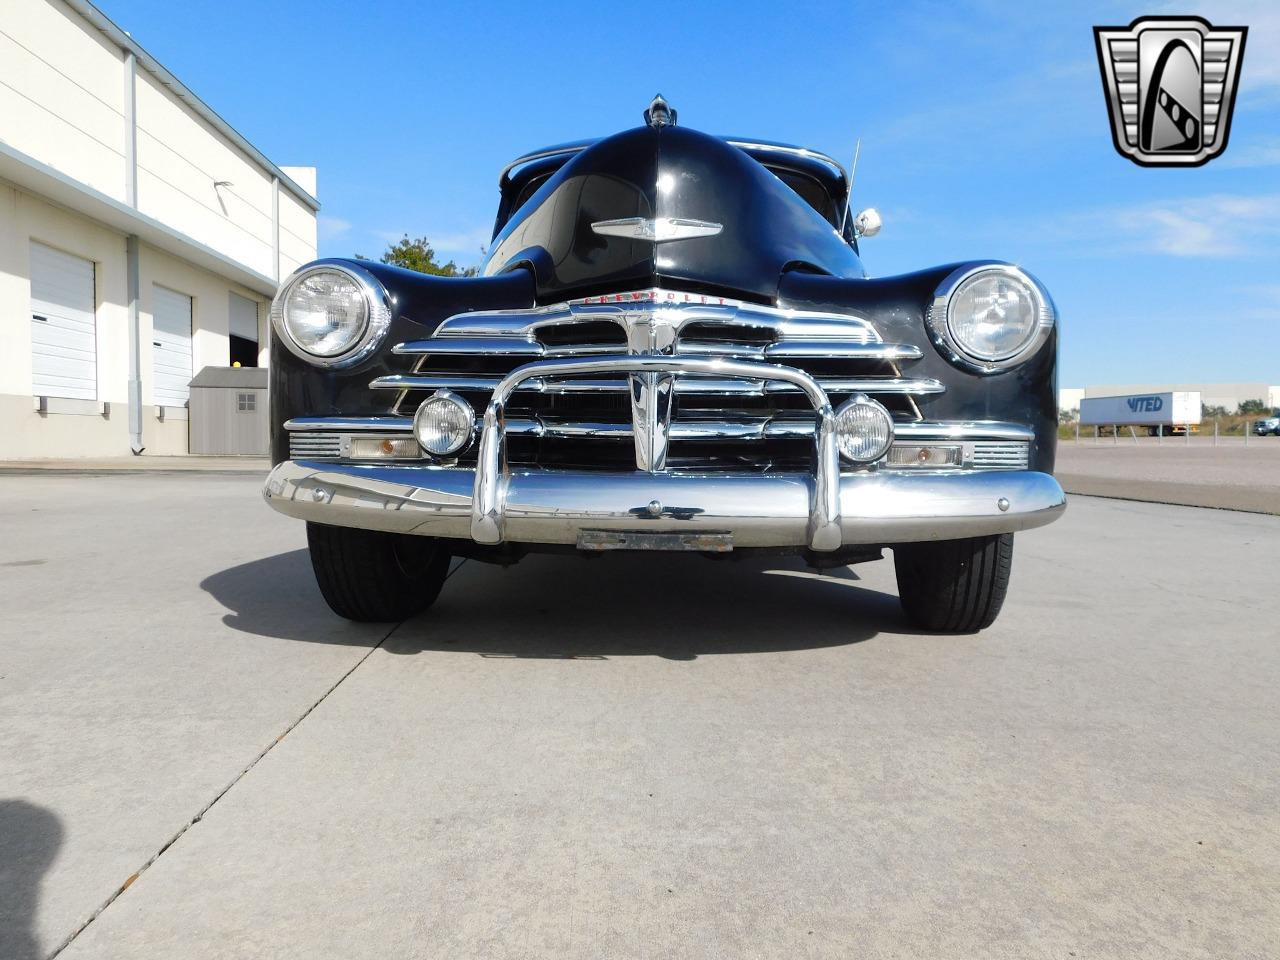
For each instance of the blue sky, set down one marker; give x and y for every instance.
(984, 135)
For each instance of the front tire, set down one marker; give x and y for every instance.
(954, 586)
(375, 577)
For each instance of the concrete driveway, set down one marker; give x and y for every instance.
(628, 758)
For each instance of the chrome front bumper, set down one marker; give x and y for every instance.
(823, 510)
(768, 510)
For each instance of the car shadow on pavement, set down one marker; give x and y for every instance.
(562, 607)
(29, 840)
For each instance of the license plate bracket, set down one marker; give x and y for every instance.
(705, 542)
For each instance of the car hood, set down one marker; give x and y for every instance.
(698, 214)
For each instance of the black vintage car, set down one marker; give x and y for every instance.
(672, 345)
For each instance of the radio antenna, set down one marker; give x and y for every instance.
(853, 172)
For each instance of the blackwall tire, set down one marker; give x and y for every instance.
(954, 586)
(375, 577)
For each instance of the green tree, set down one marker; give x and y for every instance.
(1253, 406)
(419, 255)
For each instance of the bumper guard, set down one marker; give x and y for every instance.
(822, 510)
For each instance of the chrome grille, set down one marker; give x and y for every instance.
(1000, 455)
(748, 423)
(314, 445)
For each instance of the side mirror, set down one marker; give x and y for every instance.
(867, 223)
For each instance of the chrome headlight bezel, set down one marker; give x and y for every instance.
(378, 313)
(939, 318)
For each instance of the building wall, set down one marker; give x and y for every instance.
(180, 159)
(1069, 398)
(87, 433)
(210, 325)
(297, 234)
(206, 200)
(62, 93)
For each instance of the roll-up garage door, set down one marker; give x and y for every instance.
(243, 330)
(64, 339)
(170, 347)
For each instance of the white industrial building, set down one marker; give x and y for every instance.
(141, 238)
(1228, 395)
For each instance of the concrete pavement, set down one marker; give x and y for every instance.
(1231, 475)
(628, 757)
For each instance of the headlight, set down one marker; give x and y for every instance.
(989, 317)
(332, 314)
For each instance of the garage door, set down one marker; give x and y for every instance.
(64, 339)
(243, 330)
(170, 347)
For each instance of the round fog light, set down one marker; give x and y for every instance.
(864, 430)
(444, 424)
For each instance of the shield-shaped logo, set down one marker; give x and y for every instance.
(1170, 84)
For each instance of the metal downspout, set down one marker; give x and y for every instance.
(132, 282)
(135, 345)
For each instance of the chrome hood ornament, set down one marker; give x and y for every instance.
(660, 113)
(656, 229)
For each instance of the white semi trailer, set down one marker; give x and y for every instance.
(1156, 413)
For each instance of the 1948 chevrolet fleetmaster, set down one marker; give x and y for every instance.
(671, 345)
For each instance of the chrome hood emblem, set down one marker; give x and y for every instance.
(657, 229)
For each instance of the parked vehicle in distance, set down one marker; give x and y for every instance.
(1271, 425)
(672, 345)
(1172, 413)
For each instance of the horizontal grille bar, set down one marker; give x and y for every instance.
(979, 454)
(303, 446)
(679, 309)
(915, 386)
(749, 429)
(783, 350)
(349, 424)
(985, 452)
(994, 454)
(997, 437)
(497, 346)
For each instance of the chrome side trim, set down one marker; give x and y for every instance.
(772, 510)
(488, 513)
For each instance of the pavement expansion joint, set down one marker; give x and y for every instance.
(223, 792)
